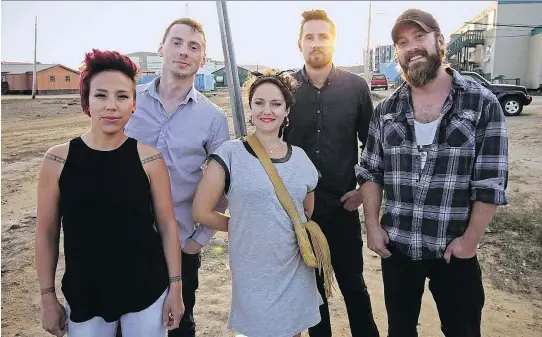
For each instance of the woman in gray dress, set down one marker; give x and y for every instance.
(274, 293)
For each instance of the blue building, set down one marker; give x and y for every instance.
(385, 62)
(203, 82)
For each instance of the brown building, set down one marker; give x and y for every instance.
(51, 78)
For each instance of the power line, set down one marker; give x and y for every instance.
(512, 29)
(504, 25)
(497, 37)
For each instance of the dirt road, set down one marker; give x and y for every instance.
(30, 127)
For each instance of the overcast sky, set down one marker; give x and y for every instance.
(263, 32)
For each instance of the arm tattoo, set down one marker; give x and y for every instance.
(55, 158)
(47, 291)
(148, 160)
(175, 279)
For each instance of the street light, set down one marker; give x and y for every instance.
(367, 51)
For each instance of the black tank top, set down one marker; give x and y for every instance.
(114, 257)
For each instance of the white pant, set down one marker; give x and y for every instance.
(145, 323)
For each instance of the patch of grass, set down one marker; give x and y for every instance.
(512, 249)
(377, 96)
(526, 222)
(210, 94)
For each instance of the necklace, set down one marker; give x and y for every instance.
(273, 150)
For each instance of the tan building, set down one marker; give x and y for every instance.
(503, 43)
(50, 79)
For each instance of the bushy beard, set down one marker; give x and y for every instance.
(419, 74)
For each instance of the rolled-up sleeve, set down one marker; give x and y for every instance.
(370, 166)
(490, 173)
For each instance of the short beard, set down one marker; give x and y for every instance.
(182, 75)
(325, 60)
(421, 74)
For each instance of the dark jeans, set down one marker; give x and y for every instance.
(190, 268)
(343, 233)
(456, 288)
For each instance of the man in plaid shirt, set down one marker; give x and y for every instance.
(438, 148)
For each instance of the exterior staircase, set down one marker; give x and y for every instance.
(458, 48)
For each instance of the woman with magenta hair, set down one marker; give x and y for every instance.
(111, 196)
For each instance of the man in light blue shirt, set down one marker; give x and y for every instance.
(185, 127)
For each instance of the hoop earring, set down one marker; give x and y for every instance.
(287, 122)
(250, 121)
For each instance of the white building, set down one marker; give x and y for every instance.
(148, 62)
(504, 42)
(211, 66)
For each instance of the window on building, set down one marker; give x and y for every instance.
(52, 78)
(67, 78)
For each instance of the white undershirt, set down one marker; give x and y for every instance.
(425, 134)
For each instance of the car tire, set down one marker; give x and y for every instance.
(512, 106)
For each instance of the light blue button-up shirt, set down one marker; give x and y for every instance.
(185, 139)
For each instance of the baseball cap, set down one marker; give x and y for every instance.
(423, 19)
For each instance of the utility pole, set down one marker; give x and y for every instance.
(34, 80)
(187, 11)
(367, 51)
(232, 75)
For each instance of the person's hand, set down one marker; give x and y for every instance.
(377, 239)
(460, 248)
(352, 200)
(192, 247)
(54, 316)
(173, 307)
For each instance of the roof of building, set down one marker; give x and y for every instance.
(477, 18)
(249, 67)
(209, 68)
(254, 67)
(142, 53)
(358, 69)
(23, 68)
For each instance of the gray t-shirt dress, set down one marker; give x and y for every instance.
(274, 293)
